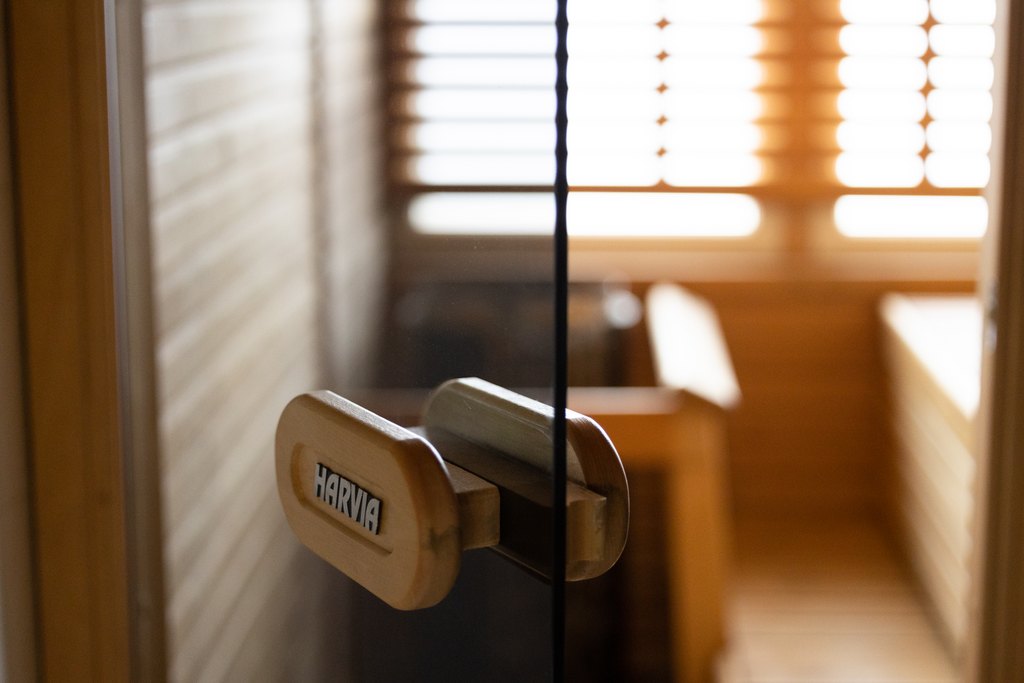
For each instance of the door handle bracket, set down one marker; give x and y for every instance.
(393, 508)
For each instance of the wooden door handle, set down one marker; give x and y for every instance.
(394, 508)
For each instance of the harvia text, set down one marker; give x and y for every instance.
(347, 498)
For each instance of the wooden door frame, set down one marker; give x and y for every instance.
(82, 233)
(17, 620)
(996, 639)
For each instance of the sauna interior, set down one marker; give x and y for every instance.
(776, 217)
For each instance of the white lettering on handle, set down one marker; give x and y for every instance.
(359, 505)
(348, 498)
(372, 515)
(332, 490)
(320, 482)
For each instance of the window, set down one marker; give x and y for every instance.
(695, 119)
(915, 110)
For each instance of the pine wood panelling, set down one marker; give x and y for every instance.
(189, 92)
(199, 30)
(932, 342)
(189, 550)
(202, 443)
(185, 159)
(196, 217)
(218, 619)
(309, 632)
(263, 220)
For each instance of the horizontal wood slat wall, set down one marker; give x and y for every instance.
(936, 443)
(263, 220)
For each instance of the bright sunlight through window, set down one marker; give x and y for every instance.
(663, 115)
(915, 109)
(696, 119)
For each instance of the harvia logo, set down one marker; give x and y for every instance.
(347, 498)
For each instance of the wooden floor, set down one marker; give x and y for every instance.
(826, 603)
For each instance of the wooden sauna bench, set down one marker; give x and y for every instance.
(933, 354)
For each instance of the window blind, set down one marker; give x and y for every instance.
(915, 109)
(693, 118)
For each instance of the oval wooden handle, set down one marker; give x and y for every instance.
(371, 498)
(379, 503)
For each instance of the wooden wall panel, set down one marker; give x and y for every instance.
(264, 228)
